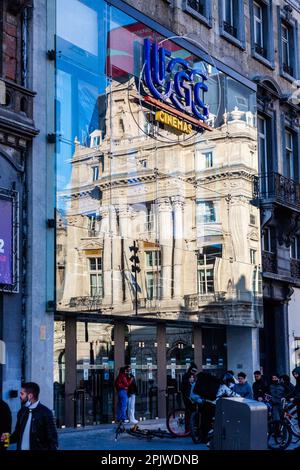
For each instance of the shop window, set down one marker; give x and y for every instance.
(261, 24)
(96, 277)
(232, 21)
(200, 9)
(269, 240)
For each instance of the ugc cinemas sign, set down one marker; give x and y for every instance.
(175, 88)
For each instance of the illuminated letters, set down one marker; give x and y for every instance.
(175, 81)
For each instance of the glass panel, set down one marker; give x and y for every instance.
(95, 372)
(59, 373)
(180, 354)
(214, 350)
(141, 354)
(152, 192)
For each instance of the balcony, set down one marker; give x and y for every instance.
(273, 187)
(295, 268)
(148, 304)
(16, 112)
(269, 262)
(86, 303)
(240, 308)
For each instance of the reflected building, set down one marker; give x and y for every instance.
(185, 201)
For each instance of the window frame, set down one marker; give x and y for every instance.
(98, 272)
(268, 44)
(206, 19)
(292, 25)
(269, 231)
(240, 40)
(155, 270)
(212, 209)
(296, 243)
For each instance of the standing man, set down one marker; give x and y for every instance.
(5, 423)
(259, 386)
(35, 428)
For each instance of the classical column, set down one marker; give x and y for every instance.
(116, 259)
(107, 284)
(125, 214)
(178, 202)
(70, 369)
(119, 340)
(198, 346)
(166, 242)
(161, 369)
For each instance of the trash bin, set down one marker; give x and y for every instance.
(240, 424)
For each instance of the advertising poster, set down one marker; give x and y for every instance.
(6, 242)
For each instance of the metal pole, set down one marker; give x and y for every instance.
(135, 278)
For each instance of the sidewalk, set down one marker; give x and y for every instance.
(102, 437)
(149, 424)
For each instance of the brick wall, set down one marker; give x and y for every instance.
(10, 45)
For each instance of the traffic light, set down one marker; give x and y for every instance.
(134, 259)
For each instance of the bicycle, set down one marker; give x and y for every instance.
(279, 431)
(195, 424)
(176, 421)
(149, 433)
(120, 429)
(292, 417)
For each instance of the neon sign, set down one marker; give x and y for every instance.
(172, 79)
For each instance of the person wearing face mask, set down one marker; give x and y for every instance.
(35, 428)
(277, 391)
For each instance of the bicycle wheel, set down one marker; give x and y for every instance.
(293, 421)
(279, 435)
(119, 430)
(176, 423)
(195, 427)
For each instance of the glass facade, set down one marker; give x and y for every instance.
(169, 175)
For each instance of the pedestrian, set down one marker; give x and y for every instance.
(259, 386)
(5, 424)
(132, 391)
(295, 395)
(122, 383)
(277, 392)
(243, 388)
(185, 389)
(289, 387)
(35, 428)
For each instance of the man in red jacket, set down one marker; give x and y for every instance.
(122, 383)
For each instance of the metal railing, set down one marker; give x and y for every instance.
(269, 262)
(275, 186)
(86, 302)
